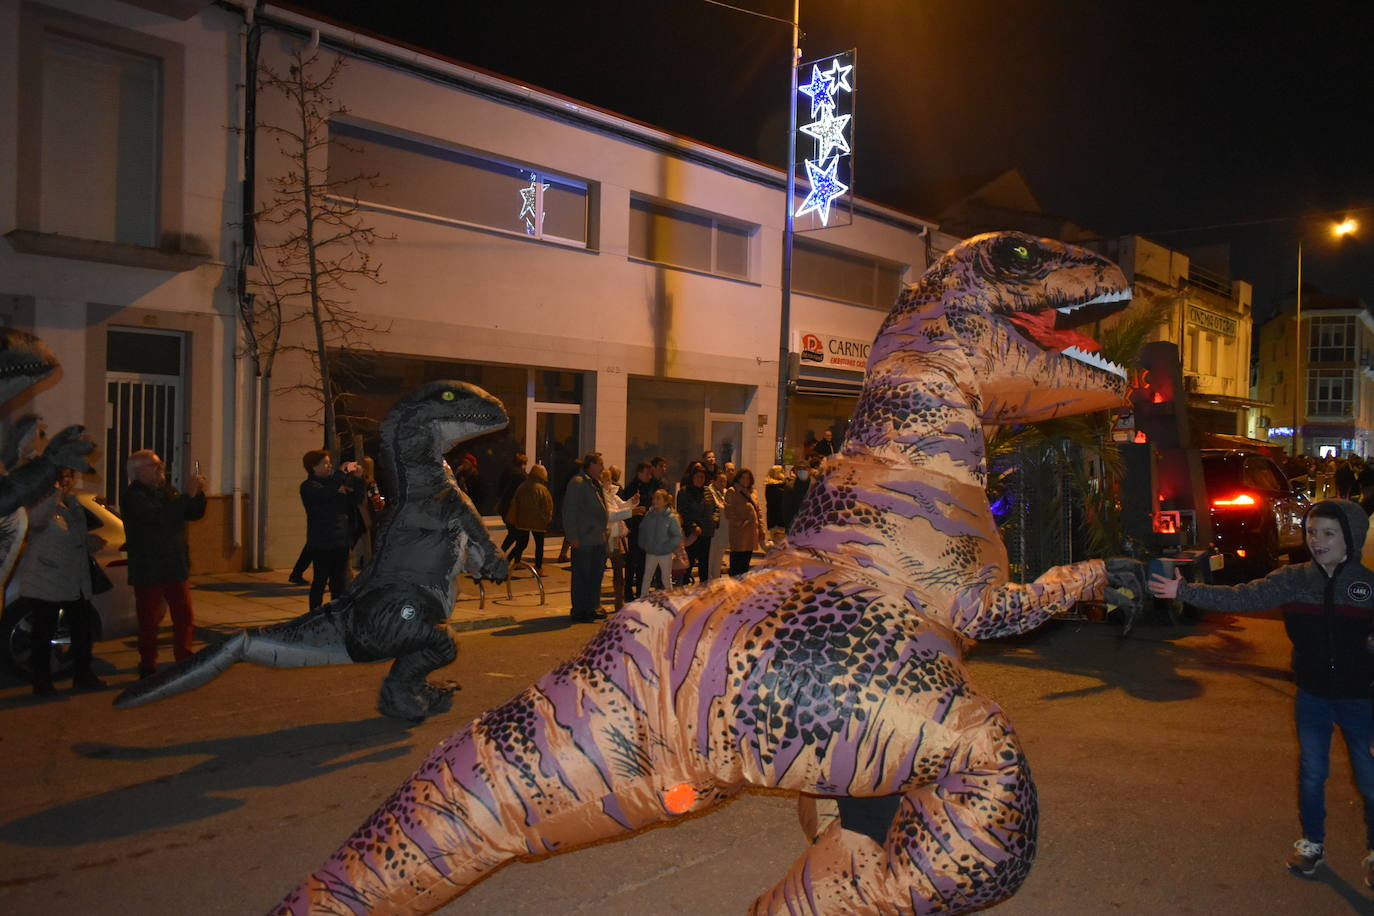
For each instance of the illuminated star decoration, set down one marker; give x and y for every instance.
(528, 197)
(829, 134)
(821, 89)
(825, 187)
(839, 75)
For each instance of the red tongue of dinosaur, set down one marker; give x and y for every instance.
(1039, 327)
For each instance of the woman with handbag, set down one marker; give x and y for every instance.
(745, 522)
(55, 575)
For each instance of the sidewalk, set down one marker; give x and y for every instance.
(227, 602)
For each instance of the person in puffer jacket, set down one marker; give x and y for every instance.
(1328, 612)
(660, 533)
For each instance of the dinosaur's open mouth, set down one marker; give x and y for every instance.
(1052, 329)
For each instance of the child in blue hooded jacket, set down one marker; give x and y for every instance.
(660, 533)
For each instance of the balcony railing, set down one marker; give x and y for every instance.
(1205, 279)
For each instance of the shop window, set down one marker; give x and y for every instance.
(679, 420)
(554, 387)
(376, 381)
(833, 273)
(682, 238)
(427, 179)
(808, 417)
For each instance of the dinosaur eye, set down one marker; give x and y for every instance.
(448, 395)
(1022, 252)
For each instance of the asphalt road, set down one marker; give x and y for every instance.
(1165, 763)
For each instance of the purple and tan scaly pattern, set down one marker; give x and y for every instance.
(834, 668)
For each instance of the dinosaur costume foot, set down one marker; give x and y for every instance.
(414, 702)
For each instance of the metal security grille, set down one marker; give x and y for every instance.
(144, 411)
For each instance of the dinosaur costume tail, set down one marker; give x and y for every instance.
(316, 638)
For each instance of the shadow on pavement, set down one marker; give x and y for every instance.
(1146, 665)
(539, 625)
(254, 588)
(270, 759)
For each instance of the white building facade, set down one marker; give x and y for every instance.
(618, 287)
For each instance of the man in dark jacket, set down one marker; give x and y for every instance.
(331, 499)
(1328, 613)
(155, 517)
(584, 527)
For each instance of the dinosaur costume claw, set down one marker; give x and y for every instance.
(834, 668)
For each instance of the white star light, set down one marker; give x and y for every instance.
(829, 134)
(840, 75)
(821, 89)
(825, 187)
(528, 198)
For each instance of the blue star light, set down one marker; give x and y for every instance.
(829, 134)
(825, 187)
(821, 89)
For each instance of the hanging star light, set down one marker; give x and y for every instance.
(825, 187)
(829, 134)
(529, 196)
(839, 75)
(821, 89)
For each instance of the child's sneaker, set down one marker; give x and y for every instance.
(1367, 865)
(1305, 857)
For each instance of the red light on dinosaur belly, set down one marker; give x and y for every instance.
(679, 798)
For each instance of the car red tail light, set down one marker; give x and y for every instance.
(1240, 499)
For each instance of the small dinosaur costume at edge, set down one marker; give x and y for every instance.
(24, 362)
(833, 668)
(399, 604)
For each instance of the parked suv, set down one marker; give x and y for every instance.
(1256, 514)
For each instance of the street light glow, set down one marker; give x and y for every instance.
(1345, 227)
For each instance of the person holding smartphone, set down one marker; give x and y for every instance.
(331, 499)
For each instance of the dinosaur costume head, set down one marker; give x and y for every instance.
(1007, 306)
(24, 361)
(431, 421)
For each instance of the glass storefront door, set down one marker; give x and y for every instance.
(557, 446)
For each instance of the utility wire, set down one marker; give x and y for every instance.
(740, 9)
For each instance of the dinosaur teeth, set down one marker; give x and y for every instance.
(1101, 299)
(1095, 360)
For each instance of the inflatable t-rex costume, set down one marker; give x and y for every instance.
(833, 668)
(429, 533)
(24, 362)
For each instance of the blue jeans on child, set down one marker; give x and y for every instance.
(1316, 718)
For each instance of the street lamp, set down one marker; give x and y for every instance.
(1343, 228)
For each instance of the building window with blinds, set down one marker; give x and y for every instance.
(694, 240)
(846, 276)
(424, 178)
(101, 143)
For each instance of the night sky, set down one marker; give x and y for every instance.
(1123, 116)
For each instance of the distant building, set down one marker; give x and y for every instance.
(1333, 359)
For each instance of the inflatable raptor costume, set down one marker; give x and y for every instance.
(398, 606)
(24, 362)
(834, 668)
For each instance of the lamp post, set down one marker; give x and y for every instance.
(1343, 228)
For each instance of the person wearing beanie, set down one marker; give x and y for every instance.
(1328, 613)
